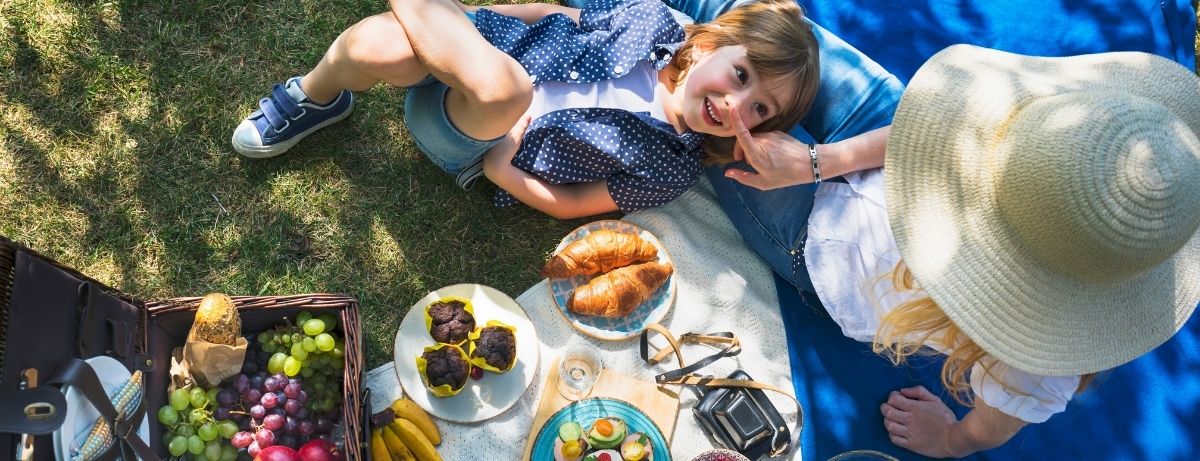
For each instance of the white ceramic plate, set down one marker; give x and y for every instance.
(651, 311)
(493, 393)
(80, 412)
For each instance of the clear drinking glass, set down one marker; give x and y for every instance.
(578, 371)
(863, 455)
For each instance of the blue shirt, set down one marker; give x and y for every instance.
(644, 160)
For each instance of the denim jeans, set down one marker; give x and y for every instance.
(856, 95)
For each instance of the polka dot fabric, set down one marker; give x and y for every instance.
(612, 37)
(644, 160)
(646, 163)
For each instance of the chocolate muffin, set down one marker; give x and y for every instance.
(450, 320)
(495, 347)
(445, 369)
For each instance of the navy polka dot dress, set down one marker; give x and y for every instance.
(644, 160)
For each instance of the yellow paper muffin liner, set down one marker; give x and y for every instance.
(443, 390)
(466, 306)
(479, 361)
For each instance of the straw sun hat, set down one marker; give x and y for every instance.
(1050, 206)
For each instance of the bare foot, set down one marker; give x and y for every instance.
(919, 421)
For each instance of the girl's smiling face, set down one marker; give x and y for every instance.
(718, 81)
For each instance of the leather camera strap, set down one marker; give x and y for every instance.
(685, 375)
(79, 374)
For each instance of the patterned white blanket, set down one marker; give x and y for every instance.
(723, 286)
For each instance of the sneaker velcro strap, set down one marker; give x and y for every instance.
(283, 100)
(467, 177)
(271, 114)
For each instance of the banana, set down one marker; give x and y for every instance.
(409, 410)
(421, 447)
(379, 451)
(395, 446)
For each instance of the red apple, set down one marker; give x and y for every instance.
(277, 453)
(320, 450)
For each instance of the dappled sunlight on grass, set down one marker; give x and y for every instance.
(115, 119)
(388, 256)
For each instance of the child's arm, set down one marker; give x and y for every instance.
(919, 421)
(528, 13)
(562, 201)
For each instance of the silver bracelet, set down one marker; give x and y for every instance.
(812, 154)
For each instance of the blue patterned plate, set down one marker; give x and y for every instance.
(651, 311)
(587, 411)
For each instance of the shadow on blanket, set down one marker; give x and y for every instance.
(1146, 409)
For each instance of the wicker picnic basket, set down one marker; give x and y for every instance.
(154, 327)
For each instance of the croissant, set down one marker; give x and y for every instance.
(599, 252)
(617, 293)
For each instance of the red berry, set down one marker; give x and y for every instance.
(604, 457)
(476, 373)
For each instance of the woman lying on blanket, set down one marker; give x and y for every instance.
(622, 104)
(1036, 223)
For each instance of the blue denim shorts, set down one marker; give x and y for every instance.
(447, 146)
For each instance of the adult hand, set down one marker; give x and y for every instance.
(779, 159)
(919, 421)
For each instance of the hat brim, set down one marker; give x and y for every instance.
(942, 208)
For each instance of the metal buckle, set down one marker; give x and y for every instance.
(38, 411)
(122, 428)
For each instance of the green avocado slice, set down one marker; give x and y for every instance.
(599, 441)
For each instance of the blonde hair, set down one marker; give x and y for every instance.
(780, 46)
(906, 329)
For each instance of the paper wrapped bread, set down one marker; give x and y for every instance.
(217, 320)
(620, 291)
(599, 252)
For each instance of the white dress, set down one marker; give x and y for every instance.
(850, 253)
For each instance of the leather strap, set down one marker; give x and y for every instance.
(685, 375)
(37, 411)
(80, 375)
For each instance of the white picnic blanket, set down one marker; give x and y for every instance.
(723, 286)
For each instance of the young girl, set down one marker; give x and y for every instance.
(1035, 223)
(573, 112)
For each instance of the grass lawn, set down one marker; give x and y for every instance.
(115, 118)
(115, 159)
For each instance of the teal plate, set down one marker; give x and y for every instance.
(587, 411)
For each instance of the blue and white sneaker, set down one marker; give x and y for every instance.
(284, 118)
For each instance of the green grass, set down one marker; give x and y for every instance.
(115, 159)
(115, 120)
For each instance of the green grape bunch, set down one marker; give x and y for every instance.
(193, 427)
(310, 348)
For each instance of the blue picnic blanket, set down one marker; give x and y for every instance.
(1146, 409)
(902, 34)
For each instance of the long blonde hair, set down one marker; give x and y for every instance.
(920, 322)
(780, 46)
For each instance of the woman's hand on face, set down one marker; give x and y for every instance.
(779, 159)
(919, 421)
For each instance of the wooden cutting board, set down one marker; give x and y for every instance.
(660, 404)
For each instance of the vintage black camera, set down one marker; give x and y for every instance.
(742, 419)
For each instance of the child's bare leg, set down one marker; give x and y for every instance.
(374, 50)
(489, 90)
